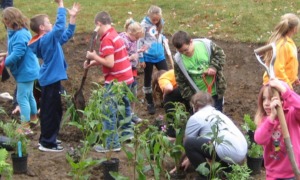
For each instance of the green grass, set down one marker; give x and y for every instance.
(231, 20)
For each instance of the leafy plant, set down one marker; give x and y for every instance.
(215, 167)
(241, 172)
(177, 118)
(10, 130)
(91, 126)
(249, 124)
(255, 150)
(5, 168)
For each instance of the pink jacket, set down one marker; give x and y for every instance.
(269, 135)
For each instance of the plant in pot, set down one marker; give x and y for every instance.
(249, 126)
(255, 151)
(19, 143)
(178, 118)
(255, 158)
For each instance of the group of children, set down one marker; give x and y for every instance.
(22, 59)
(198, 68)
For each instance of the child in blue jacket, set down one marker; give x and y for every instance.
(23, 65)
(47, 45)
(155, 54)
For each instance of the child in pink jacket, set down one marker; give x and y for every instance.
(269, 133)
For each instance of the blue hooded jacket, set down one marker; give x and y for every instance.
(48, 47)
(155, 53)
(21, 61)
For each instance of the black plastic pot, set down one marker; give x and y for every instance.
(111, 165)
(178, 175)
(255, 164)
(251, 136)
(19, 163)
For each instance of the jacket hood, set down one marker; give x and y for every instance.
(34, 45)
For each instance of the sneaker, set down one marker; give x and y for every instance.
(151, 109)
(100, 148)
(52, 149)
(58, 142)
(136, 119)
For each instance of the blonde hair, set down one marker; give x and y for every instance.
(200, 100)
(134, 28)
(155, 10)
(287, 23)
(14, 18)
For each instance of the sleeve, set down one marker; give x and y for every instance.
(60, 23)
(107, 48)
(291, 100)
(282, 55)
(263, 132)
(218, 56)
(19, 48)
(68, 34)
(140, 44)
(184, 87)
(192, 128)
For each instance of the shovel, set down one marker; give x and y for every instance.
(168, 51)
(78, 98)
(270, 70)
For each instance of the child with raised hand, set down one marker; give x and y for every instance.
(155, 54)
(47, 45)
(286, 63)
(23, 65)
(269, 133)
(133, 32)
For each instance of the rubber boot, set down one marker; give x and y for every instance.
(150, 106)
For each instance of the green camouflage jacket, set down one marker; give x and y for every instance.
(217, 60)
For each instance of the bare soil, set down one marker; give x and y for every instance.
(244, 78)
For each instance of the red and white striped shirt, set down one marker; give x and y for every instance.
(111, 43)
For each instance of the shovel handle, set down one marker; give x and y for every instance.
(92, 41)
(263, 49)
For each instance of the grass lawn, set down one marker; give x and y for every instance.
(231, 20)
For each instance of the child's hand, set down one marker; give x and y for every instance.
(75, 9)
(60, 3)
(275, 102)
(91, 55)
(143, 49)
(134, 57)
(275, 83)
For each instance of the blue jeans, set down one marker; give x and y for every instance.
(115, 117)
(26, 100)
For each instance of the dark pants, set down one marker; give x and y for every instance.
(218, 103)
(197, 153)
(161, 65)
(51, 114)
(6, 3)
(168, 101)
